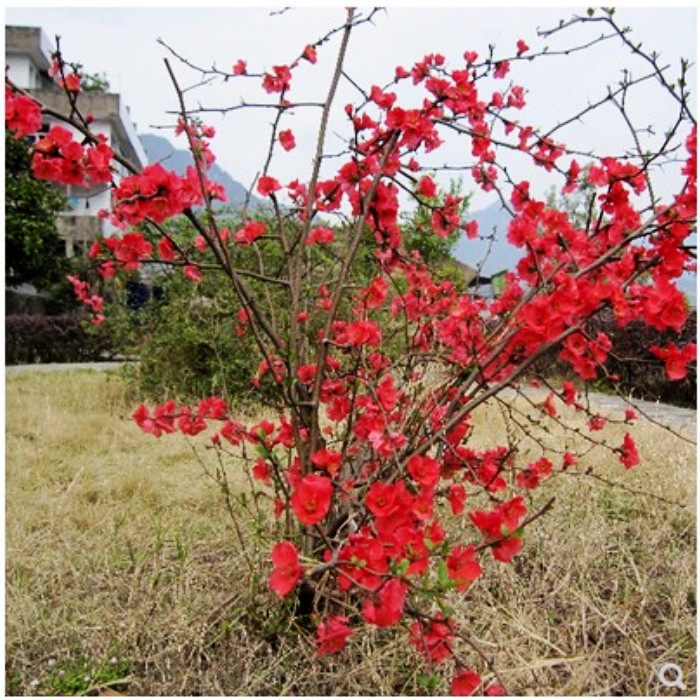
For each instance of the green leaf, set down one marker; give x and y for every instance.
(428, 682)
(402, 567)
(443, 574)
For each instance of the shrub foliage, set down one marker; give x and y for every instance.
(31, 339)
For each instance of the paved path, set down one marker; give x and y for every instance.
(13, 370)
(675, 417)
(682, 419)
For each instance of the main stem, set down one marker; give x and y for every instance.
(305, 416)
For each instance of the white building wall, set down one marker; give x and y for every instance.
(21, 72)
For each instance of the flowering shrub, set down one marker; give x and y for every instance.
(382, 508)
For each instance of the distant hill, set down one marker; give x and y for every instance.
(160, 150)
(497, 256)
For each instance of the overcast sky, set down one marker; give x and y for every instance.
(122, 43)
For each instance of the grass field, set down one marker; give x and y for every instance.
(125, 573)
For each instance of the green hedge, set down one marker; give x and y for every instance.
(640, 373)
(630, 367)
(31, 339)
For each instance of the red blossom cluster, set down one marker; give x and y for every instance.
(59, 158)
(22, 114)
(93, 301)
(196, 134)
(127, 252)
(156, 194)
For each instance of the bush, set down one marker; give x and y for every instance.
(366, 462)
(638, 372)
(186, 344)
(36, 339)
(630, 367)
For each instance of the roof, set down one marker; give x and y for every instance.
(29, 41)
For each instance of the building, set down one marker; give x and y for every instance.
(485, 286)
(28, 57)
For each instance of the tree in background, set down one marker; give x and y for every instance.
(32, 243)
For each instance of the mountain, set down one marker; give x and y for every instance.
(160, 150)
(496, 255)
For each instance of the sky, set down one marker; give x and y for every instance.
(123, 44)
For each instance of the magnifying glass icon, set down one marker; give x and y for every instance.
(671, 676)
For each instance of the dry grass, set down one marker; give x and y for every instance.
(124, 571)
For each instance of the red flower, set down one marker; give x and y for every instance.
(155, 193)
(130, 249)
(240, 67)
(629, 456)
(676, 358)
(387, 609)
(107, 269)
(286, 572)
(309, 54)
(374, 295)
(462, 567)
(332, 635)
(97, 167)
(432, 639)
(495, 690)
(522, 47)
(311, 500)
(457, 496)
(22, 114)
(512, 511)
(233, 431)
(166, 249)
(250, 233)
(465, 683)
(502, 68)
(286, 138)
(549, 406)
(387, 393)
(279, 81)
(528, 479)
(261, 471)
(570, 392)
(384, 499)
(427, 187)
(424, 470)
(321, 234)
(162, 420)
(327, 459)
(596, 423)
(505, 550)
(471, 228)
(192, 273)
(71, 83)
(382, 99)
(212, 407)
(361, 333)
(267, 185)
